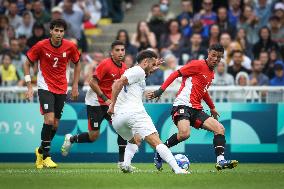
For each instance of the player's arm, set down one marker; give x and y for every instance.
(116, 88)
(211, 105)
(169, 80)
(30, 92)
(75, 92)
(96, 88)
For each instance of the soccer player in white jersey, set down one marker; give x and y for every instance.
(129, 117)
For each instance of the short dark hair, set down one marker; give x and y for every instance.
(58, 23)
(216, 47)
(145, 54)
(117, 42)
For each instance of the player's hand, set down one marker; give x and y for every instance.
(149, 95)
(214, 113)
(30, 93)
(74, 93)
(154, 94)
(110, 110)
(108, 102)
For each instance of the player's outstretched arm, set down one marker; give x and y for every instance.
(159, 92)
(30, 92)
(211, 105)
(75, 92)
(116, 88)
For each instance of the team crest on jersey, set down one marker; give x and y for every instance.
(64, 54)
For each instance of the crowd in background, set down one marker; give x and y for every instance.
(251, 31)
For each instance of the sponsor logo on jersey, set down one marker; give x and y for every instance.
(64, 54)
(48, 55)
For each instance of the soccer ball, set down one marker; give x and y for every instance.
(182, 161)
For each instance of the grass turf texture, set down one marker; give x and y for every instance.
(107, 175)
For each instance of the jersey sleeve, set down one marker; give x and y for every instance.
(134, 74)
(190, 69)
(100, 71)
(34, 53)
(208, 100)
(75, 54)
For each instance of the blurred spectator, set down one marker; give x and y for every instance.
(8, 71)
(129, 61)
(115, 10)
(122, 35)
(242, 40)
(242, 79)
(268, 66)
(214, 34)
(172, 41)
(157, 78)
(22, 39)
(277, 31)
(237, 58)
(223, 22)
(26, 26)
(4, 6)
(91, 9)
(257, 78)
(165, 9)
(197, 27)
(194, 51)
(40, 14)
(185, 27)
(278, 80)
(249, 22)
(225, 40)
(11, 33)
(264, 43)
(156, 22)
(234, 11)
(279, 12)
(18, 58)
(221, 77)
(92, 62)
(143, 38)
(246, 61)
(187, 11)
(14, 19)
(38, 34)
(263, 10)
(4, 23)
(206, 15)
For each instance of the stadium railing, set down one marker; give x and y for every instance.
(249, 94)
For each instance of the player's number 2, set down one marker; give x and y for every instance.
(55, 62)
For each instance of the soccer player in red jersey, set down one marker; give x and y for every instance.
(187, 110)
(98, 99)
(53, 56)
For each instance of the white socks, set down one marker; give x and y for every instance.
(220, 158)
(130, 150)
(167, 155)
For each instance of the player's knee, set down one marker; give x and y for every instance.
(93, 136)
(220, 129)
(183, 134)
(49, 121)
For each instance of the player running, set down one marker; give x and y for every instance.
(53, 56)
(130, 119)
(187, 110)
(98, 99)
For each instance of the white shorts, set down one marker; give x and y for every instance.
(128, 124)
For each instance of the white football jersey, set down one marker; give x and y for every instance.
(130, 97)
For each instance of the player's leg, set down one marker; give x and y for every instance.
(165, 153)
(95, 117)
(219, 141)
(121, 143)
(180, 116)
(121, 124)
(47, 100)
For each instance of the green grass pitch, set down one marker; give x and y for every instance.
(107, 175)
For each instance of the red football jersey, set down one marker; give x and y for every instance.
(106, 72)
(52, 64)
(196, 79)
